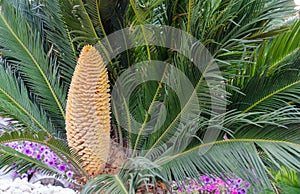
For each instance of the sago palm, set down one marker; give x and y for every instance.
(40, 42)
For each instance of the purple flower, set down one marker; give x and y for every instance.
(24, 176)
(247, 184)
(70, 174)
(28, 151)
(38, 157)
(30, 171)
(46, 160)
(213, 185)
(206, 179)
(19, 148)
(62, 167)
(46, 152)
(51, 163)
(42, 148)
(15, 174)
(239, 181)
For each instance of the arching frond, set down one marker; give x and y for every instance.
(58, 36)
(136, 172)
(23, 47)
(15, 103)
(59, 146)
(14, 160)
(274, 77)
(240, 156)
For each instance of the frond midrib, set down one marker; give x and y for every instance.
(61, 153)
(89, 20)
(242, 140)
(36, 64)
(178, 115)
(270, 95)
(143, 29)
(149, 110)
(120, 182)
(190, 6)
(26, 112)
(287, 56)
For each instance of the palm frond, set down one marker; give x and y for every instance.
(14, 160)
(58, 146)
(135, 173)
(289, 46)
(240, 156)
(288, 176)
(74, 12)
(267, 94)
(58, 36)
(142, 14)
(15, 103)
(107, 183)
(273, 55)
(274, 77)
(230, 29)
(26, 53)
(194, 95)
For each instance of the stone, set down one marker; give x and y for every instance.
(22, 186)
(5, 185)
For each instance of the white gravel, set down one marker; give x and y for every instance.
(8, 185)
(22, 186)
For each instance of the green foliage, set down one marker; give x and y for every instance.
(137, 172)
(16, 104)
(259, 62)
(10, 158)
(287, 180)
(25, 53)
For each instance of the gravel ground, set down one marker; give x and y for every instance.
(9, 185)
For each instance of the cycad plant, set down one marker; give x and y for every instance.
(258, 62)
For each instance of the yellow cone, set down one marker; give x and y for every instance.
(88, 111)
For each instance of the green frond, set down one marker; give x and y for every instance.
(135, 173)
(23, 47)
(15, 103)
(288, 176)
(281, 52)
(58, 36)
(269, 93)
(274, 76)
(232, 30)
(106, 183)
(79, 22)
(58, 146)
(240, 156)
(137, 12)
(12, 159)
(273, 55)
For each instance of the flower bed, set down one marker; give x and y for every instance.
(40, 152)
(207, 184)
